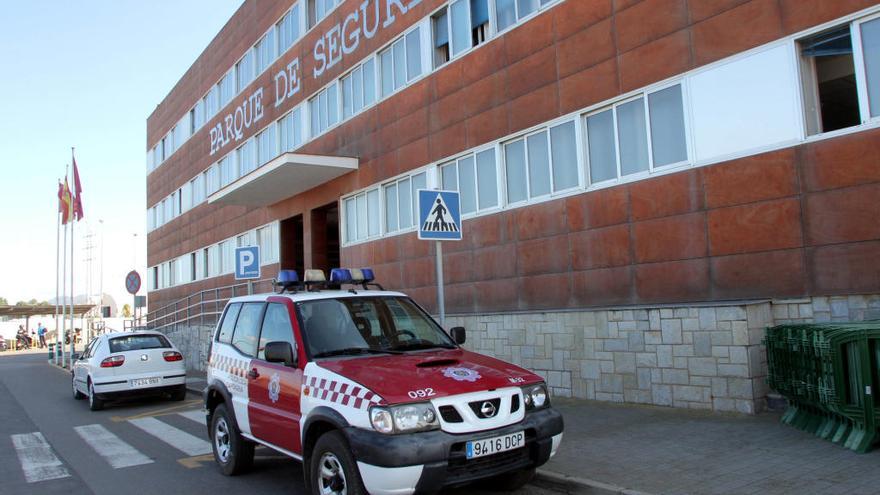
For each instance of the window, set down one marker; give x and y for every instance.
(227, 170)
(401, 202)
(155, 278)
(476, 179)
(168, 206)
(359, 89)
(186, 197)
(244, 71)
(227, 87)
(157, 155)
(247, 328)
(266, 149)
(247, 157)
(167, 145)
(509, 12)
(869, 32)
(362, 216)
(290, 130)
(227, 257)
(212, 180)
(318, 9)
(228, 323)
(212, 102)
(214, 260)
(618, 140)
(264, 51)
(198, 115)
(541, 163)
(192, 267)
(276, 328)
(456, 29)
(324, 110)
(172, 273)
(830, 90)
(288, 28)
(267, 239)
(401, 62)
(197, 186)
(138, 343)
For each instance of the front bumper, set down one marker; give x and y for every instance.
(429, 461)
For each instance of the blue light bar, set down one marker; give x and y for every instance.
(368, 274)
(287, 277)
(340, 276)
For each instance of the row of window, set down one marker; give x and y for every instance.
(216, 259)
(455, 28)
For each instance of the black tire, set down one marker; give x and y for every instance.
(232, 452)
(77, 395)
(95, 404)
(340, 472)
(511, 481)
(179, 393)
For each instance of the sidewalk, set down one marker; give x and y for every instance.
(612, 448)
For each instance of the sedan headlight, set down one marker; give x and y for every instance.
(536, 396)
(405, 418)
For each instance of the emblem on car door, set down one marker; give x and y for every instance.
(144, 357)
(274, 388)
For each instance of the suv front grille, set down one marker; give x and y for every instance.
(450, 415)
(476, 407)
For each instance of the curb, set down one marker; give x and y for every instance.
(574, 484)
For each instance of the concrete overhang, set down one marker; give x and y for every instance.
(283, 177)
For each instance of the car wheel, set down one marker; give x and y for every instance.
(179, 393)
(76, 393)
(232, 452)
(95, 404)
(512, 481)
(333, 469)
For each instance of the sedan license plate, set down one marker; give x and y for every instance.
(144, 382)
(489, 446)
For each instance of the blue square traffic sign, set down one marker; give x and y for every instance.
(439, 215)
(247, 262)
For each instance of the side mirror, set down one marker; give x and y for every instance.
(76, 357)
(280, 352)
(458, 335)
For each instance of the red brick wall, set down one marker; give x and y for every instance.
(794, 222)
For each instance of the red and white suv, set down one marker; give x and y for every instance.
(369, 392)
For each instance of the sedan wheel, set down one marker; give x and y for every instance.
(95, 404)
(76, 393)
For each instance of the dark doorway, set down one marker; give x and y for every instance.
(292, 247)
(325, 237)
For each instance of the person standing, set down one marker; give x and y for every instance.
(41, 334)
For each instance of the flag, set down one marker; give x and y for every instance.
(77, 192)
(64, 206)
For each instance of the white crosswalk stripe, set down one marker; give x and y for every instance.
(198, 416)
(115, 451)
(37, 459)
(179, 439)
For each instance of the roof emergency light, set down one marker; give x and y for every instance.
(287, 280)
(339, 276)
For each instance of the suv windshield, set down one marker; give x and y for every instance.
(368, 325)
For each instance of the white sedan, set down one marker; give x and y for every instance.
(126, 364)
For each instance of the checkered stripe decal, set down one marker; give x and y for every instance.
(237, 367)
(341, 393)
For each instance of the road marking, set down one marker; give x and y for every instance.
(37, 460)
(179, 439)
(196, 462)
(157, 412)
(198, 416)
(118, 453)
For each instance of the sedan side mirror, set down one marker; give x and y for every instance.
(280, 352)
(458, 335)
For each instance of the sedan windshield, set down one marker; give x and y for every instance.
(368, 325)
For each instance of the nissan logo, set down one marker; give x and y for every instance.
(487, 409)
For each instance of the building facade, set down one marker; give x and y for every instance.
(645, 185)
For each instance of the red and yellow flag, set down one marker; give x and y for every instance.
(77, 192)
(65, 202)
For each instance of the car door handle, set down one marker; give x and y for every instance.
(254, 374)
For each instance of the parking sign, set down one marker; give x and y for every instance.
(247, 262)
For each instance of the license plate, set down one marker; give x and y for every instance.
(494, 445)
(144, 382)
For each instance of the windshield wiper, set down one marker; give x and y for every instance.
(422, 345)
(354, 351)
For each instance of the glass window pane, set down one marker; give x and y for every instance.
(461, 31)
(515, 166)
(347, 98)
(404, 203)
(399, 64)
(505, 12)
(487, 181)
(362, 216)
(350, 220)
(297, 128)
(322, 111)
(526, 7)
(871, 52)
(419, 181)
(387, 72)
(247, 328)
(539, 165)
(467, 182)
(369, 82)
(357, 90)
(564, 154)
(449, 178)
(633, 137)
(373, 211)
(315, 116)
(276, 328)
(413, 54)
(391, 208)
(332, 104)
(667, 126)
(602, 146)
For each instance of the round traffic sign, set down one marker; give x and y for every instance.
(133, 282)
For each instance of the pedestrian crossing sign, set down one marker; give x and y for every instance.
(439, 215)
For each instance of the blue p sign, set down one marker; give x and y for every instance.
(247, 262)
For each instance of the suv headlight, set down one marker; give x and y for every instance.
(536, 396)
(405, 418)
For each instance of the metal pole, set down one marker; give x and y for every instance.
(72, 322)
(59, 339)
(441, 302)
(57, 286)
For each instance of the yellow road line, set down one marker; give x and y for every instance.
(158, 412)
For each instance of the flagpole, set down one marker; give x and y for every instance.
(57, 268)
(72, 296)
(60, 337)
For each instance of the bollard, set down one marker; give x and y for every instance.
(51, 350)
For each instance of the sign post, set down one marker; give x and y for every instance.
(133, 285)
(439, 220)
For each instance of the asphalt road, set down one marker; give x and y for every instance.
(44, 447)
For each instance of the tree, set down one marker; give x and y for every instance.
(126, 311)
(3, 301)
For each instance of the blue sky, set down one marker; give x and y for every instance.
(86, 74)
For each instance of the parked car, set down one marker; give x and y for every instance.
(126, 364)
(369, 392)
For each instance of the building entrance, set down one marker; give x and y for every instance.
(292, 251)
(325, 237)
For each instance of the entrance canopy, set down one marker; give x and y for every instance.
(26, 311)
(283, 177)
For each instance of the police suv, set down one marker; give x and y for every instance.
(369, 392)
